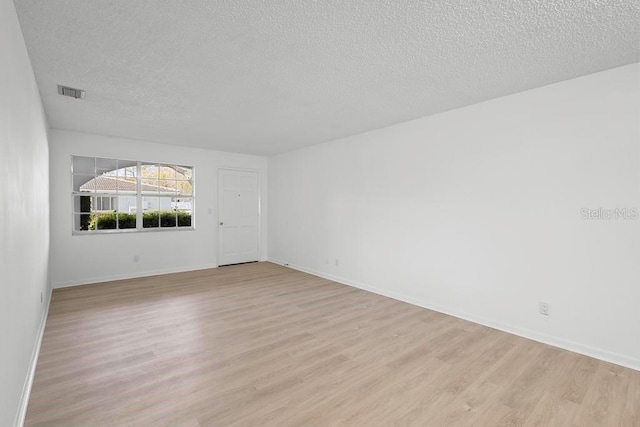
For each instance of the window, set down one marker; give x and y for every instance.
(111, 194)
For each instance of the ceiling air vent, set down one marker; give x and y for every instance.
(69, 91)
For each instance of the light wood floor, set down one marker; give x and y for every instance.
(260, 344)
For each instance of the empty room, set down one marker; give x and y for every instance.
(320, 213)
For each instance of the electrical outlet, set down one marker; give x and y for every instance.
(337, 262)
(41, 298)
(543, 307)
(136, 258)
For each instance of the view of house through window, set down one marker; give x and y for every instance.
(112, 194)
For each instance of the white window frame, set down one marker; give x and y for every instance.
(139, 195)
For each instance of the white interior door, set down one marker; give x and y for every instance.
(238, 216)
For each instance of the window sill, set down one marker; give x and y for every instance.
(131, 231)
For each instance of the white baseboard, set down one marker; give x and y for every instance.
(136, 275)
(607, 356)
(26, 389)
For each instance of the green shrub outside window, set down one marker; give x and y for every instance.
(115, 221)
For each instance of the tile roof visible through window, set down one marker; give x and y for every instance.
(112, 184)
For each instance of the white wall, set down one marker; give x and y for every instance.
(94, 258)
(24, 216)
(477, 212)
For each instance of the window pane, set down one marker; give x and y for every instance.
(106, 165)
(127, 185)
(150, 204)
(150, 219)
(149, 170)
(168, 218)
(102, 204)
(126, 208)
(184, 172)
(105, 220)
(126, 204)
(183, 207)
(184, 187)
(167, 212)
(184, 219)
(167, 188)
(126, 221)
(149, 186)
(165, 204)
(84, 165)
(129, 172)
(167, 173)
(103, 184)
(182, 204)
(150, 212)
(84, 183)
(82, 204)
(81, 222)
(82, 212)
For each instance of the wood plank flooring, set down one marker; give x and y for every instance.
(264, 345)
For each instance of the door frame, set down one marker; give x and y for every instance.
(218, 197)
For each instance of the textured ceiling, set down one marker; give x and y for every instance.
(263, 77)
